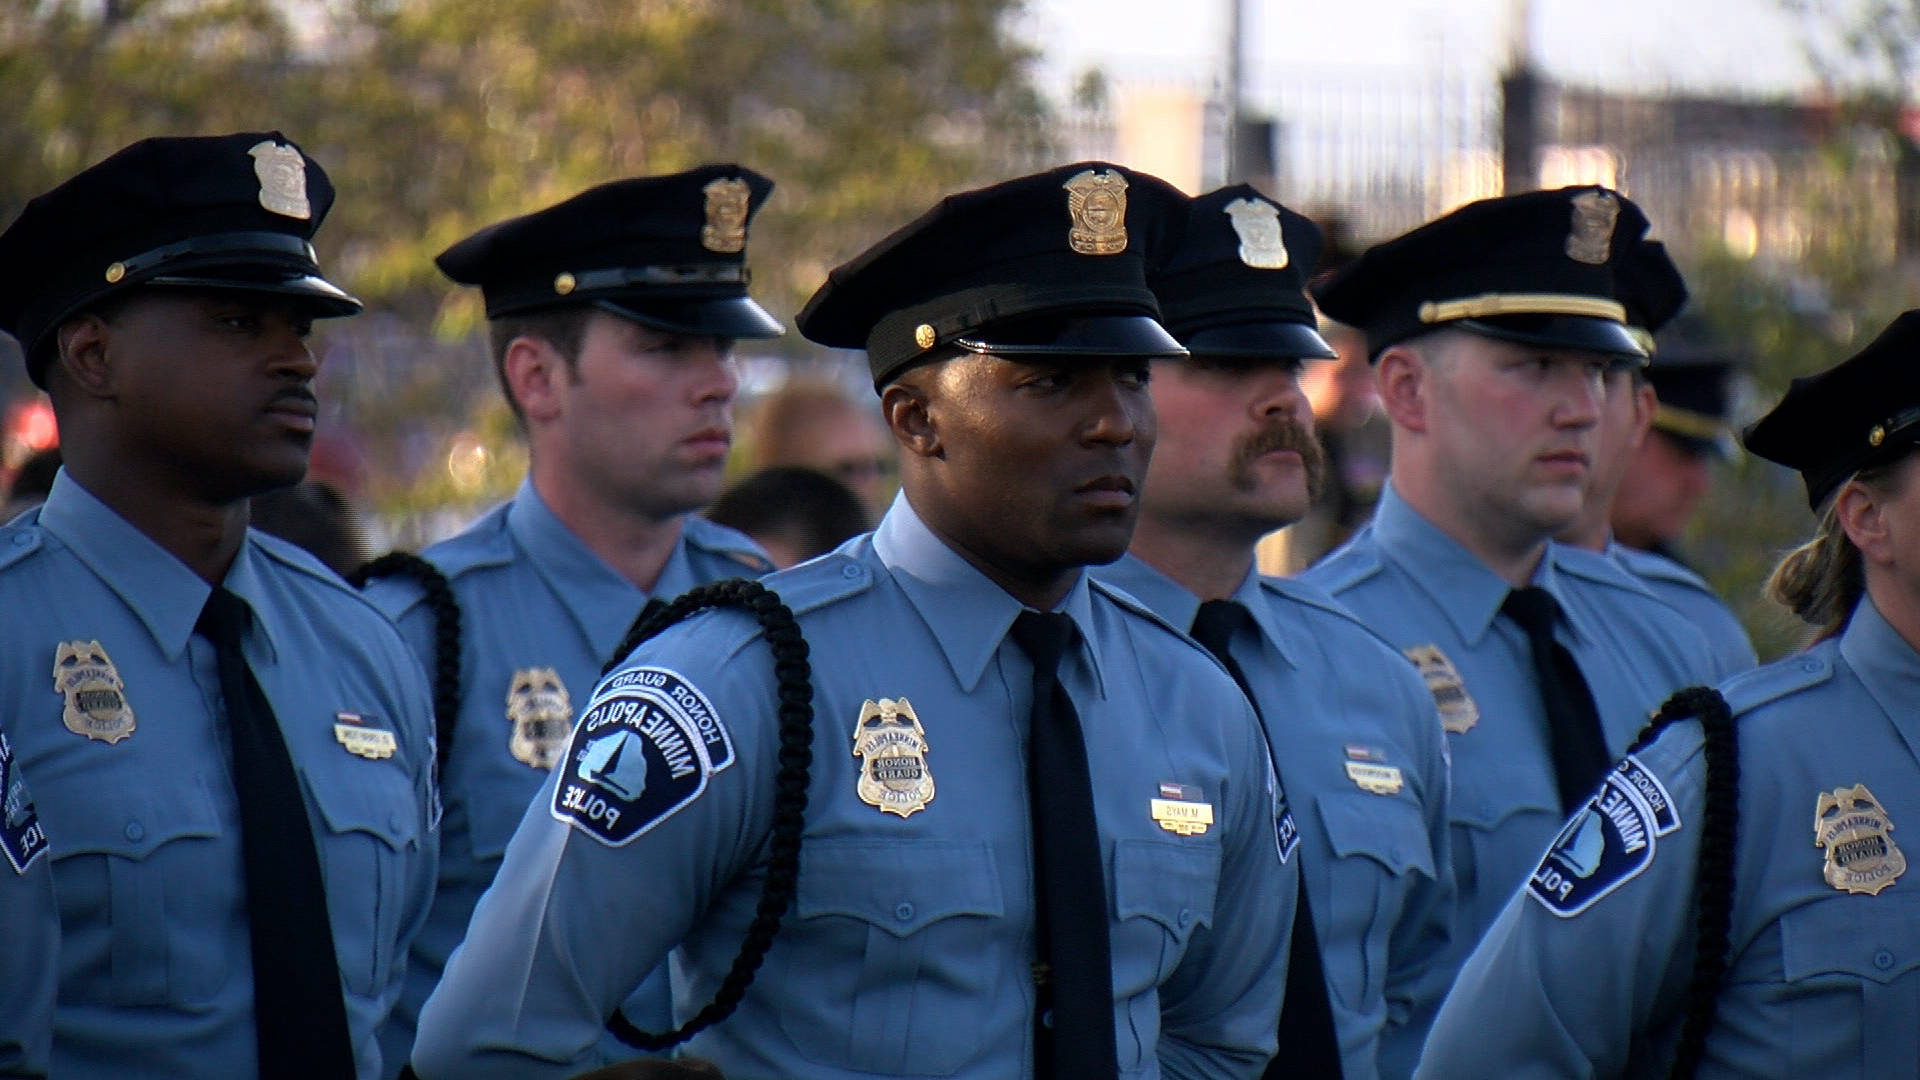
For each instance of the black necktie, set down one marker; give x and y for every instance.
(299, 1013)
(1074, 975)
(1309, 1045)
(1580, 756)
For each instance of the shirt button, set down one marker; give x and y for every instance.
(1883, 959)
(1809, 665)
(22, 539)
(903, 911)
(135, 831)
(1186, 918)
(851, 571)
(395, 823)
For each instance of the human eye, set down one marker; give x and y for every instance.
(1134, 376)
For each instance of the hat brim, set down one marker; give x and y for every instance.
(726, 317)
(1273, 340)
(1722, 446)
(1580, 332)
(1083, 335)
(325, 299)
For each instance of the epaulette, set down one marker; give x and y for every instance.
(728, 543)
(1311, 595)
(1659, 568)
(1346, 567)
(19, 540)
(1749, 690)
(305, 563)
(1594, 567)
(820, 582)
(1128, 602)
(485, 543)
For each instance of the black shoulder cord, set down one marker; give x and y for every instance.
(795, 677)
(1713, 882)
(446, 635)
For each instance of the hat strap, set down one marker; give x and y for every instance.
(623, 276)
(236, 243)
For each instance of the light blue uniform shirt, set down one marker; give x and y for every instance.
(910, 946)
(1689, 594)
(1589, 977)
(539, 614)
(29, 959)
(1432, 599)
(1363, 763)
(155, 960)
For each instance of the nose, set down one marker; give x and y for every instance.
(1118, 410)
(1582, 392)
(292, 355)
(717, 378)
(1277, 392)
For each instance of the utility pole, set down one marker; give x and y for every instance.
(1521, 93)
(1236, 26)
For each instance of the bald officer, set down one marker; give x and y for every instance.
(1040, 836)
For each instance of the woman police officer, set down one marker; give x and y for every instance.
(1799, 953)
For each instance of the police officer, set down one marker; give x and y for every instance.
(29, 965)
(1354, 735)
(1686, 917)
(1492, 330)
(1652, 292)
(1694, 375)
(231, 750)
(1120, 910)
(612, 316)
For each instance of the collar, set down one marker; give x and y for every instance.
(1176, 604)
(160, 589)
(1460, 585)
(584, 583)
(1886, 665)
(968, 613)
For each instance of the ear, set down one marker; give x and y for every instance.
(907, 408)
(83, 355)
(535, 371)
(1404, 381)
(1645, 402)
(1861, 513)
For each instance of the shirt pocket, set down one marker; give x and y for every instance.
(1852, 968)
(148, 890)
(1498, 834)
(1163, 891)
(1379, 843)
(366, 836)
(900, 942)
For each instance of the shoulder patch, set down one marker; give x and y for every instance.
(1606, 844)
(22, 838)
(18, 542)
(1749, 690)
(644, 750)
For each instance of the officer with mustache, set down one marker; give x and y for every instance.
(1040, 835)
(1353, 731)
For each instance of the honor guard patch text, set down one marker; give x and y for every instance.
(644, 749)
(22, 837)
(1605, 845)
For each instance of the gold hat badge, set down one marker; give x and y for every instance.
(283, 179)
(1858, 836)
(1591, 238)
(1257, 224)
(892, 747)
(1097, 205)
(726, 227)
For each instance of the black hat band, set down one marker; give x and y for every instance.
(1492, 304)
(567, 286)
(237, 243)
(621, 277)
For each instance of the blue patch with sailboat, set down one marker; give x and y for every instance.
(644, 749)
(1609, 842)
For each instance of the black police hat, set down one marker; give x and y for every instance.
(665, 251)
(1693, 372)
(223, 211)
(1863, 411)
(1535, 268)
(1234, 285)
(1651, 291)
(1048, 264)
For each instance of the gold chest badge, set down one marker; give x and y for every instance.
(892, 747)
(1257, 224)
(96, 697)
(283, 179)
(726, 227)
(1591, 237)
(1854, 829)
(1458, 713)
(1097, 205)
(542, 716)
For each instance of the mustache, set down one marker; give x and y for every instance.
(1284, 433)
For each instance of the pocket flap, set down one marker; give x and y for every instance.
(1872, 937)
(1383, 828)
(901, 886)
(1171, 882)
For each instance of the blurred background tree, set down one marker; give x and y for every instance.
(435, 117)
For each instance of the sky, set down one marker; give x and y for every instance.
(1750, 47)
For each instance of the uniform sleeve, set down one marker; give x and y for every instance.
(1220, 1010)
(1417, 975)
(1594, 949)
(594, 890)
(415, 702)
(29, 959)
